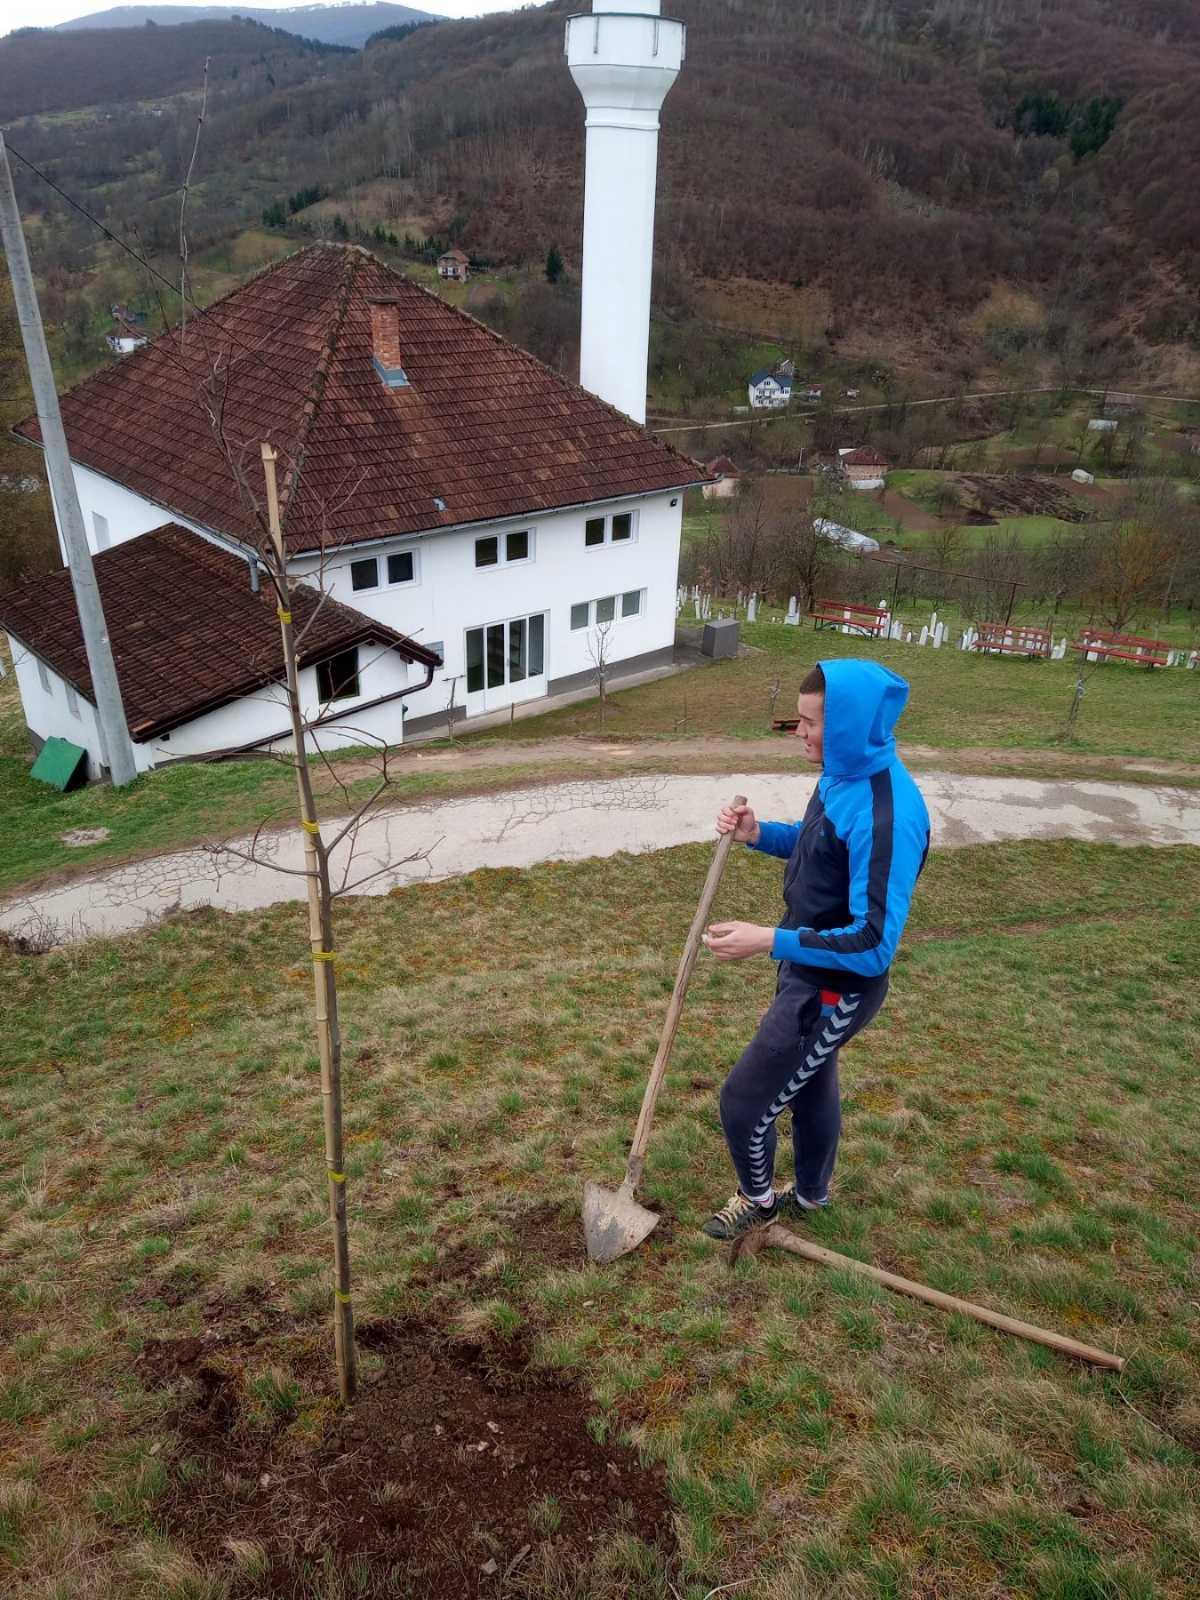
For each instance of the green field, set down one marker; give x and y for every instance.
(958, 700)
(1022, 1128)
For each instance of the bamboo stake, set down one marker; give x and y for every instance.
(320, 933)
(781, 1239)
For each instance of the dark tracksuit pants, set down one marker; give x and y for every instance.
(792, 1064)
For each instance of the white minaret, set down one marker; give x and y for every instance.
(624, 59)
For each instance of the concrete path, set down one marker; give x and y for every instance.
(567, 822)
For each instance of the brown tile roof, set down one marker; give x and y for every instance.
(723, 466)
(482, 426)
(864, 456)
(188, 634)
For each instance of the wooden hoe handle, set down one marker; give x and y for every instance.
(782, 1239)
(641, 1136)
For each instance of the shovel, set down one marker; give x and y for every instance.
(614, 1224)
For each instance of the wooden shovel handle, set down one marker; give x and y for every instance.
(641, 1136)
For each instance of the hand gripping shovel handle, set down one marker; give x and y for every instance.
(641, 1136)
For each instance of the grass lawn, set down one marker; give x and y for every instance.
(957, 699)
(1022, 1128)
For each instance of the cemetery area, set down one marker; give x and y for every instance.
(976, 711)
(962, 703)
(1016, 1133)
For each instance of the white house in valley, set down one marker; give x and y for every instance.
(769, 392)
(475, 522)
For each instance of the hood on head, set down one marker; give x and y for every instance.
(863, 702)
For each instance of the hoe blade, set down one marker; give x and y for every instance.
(613, 1222)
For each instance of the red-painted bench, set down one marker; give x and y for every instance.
(871, 620)
(1012, 639)
(1123, 647)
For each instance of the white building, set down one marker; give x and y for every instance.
(123, 338)
(480, 520)
(197, 649)
(769, 392)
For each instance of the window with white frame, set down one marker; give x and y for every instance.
(364, 574)
(609, 608)
(504, 653)
(44, 676)
(399, 568)
(504, 549)
(100, 528)
(73, 703)
(616, 527)
(402, 567)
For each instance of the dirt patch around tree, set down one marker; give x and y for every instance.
(461, 1471)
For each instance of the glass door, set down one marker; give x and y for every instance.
(506, 662)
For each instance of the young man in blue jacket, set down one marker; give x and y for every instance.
(852, 865)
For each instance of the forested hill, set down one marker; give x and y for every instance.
(44, 71)
(912, 161)
(904, 153)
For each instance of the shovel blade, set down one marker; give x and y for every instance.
(613, 1222)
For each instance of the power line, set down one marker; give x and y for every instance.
(175, 288)
(95, 221)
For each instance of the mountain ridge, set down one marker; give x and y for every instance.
(349, 23)
(996, 182)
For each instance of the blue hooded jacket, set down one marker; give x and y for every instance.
(855, 859)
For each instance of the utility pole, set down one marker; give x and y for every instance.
(114, 730)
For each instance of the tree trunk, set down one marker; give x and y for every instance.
(320, 933)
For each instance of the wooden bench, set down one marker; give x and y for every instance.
(785, 724)
(1012, 639)
(871, 620)
(1123, 647)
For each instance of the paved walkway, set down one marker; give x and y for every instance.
(570, 821)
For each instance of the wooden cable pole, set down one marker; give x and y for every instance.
(320, 932)
(780, 1238)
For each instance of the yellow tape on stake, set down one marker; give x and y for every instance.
(344, 1298)
(338, 1177)
(310, 827)
(324, 955)
(284, 616)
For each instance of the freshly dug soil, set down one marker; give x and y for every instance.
(1014, 496)
(459, 1472)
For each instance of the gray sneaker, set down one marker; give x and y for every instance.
(740, 1216)
(792, 1208)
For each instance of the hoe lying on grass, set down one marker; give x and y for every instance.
(614, 1223)
(776, 1237)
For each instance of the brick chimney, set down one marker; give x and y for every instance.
(385, 341)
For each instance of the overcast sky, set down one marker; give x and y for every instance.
(45, 13)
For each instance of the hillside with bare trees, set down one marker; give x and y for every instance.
(999, 179)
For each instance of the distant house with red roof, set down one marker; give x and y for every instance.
(455, 265)
(727, 477)
(472, 514)
(865, 468)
